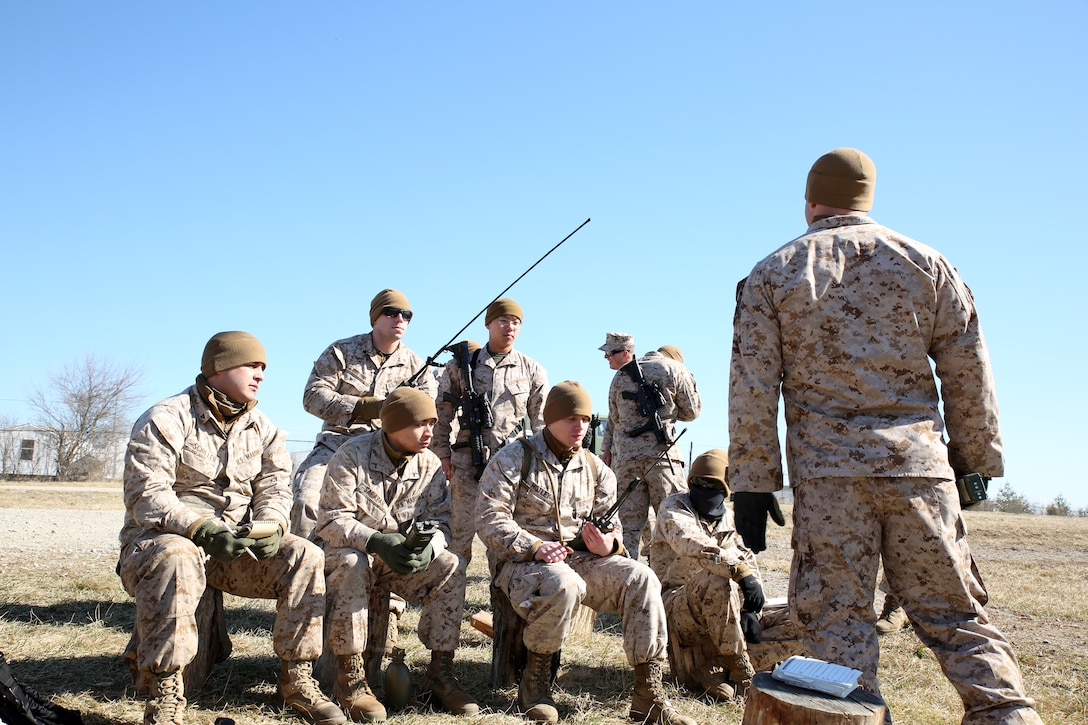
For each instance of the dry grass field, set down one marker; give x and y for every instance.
(64, 621)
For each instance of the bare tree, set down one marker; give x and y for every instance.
(85, 407)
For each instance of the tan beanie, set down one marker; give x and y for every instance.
(228, 350)
(566, 399)
(712, 465)
(387, 298)
(406, 406)
(844, 179)
(671, 351)
(504, 306)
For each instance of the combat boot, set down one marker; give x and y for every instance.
(353, 693)
(165, 699)
(300, 691)
(535, 689)
(741, 673)
(715, 684)
(893, 618)
(648, 702)
(444, 687)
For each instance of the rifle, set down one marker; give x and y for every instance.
(475, 412)
(648, 398)
(606, 521)
(430, 362)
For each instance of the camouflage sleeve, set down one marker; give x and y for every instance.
(686, 395)
(321, 397)
(495, 505)
(151, 464)
(613, 418)
(448, 385)
(538, 394)
(962, 362)
(338, 513)
(681, 529)
(755, 377)
(272, 488)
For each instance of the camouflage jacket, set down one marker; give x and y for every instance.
(844, 321)
(514, 388)
(363, 493)
(686, 545)
(181, 467)
(351, 369)
(516, 514)
(682, 402)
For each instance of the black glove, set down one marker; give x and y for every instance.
(750, 511)
(752, 592)
(753, 630)
(267, 547)
(390, 548)
(219, 541)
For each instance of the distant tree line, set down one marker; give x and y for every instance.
(1008, 501)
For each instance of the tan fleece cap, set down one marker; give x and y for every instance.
(228, 350)
(406, 406)
(387, 298)
(844, 179)
(671, 351)
(566, 399)
(712, 465)
(504, 306)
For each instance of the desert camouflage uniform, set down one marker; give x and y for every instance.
(516, 516)
(632, 455)
(514, 388)
(365, 493)
(844, 320)
(180, 468)
(347, 370)
(694, 559)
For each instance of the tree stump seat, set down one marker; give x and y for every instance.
(377, 633)
(771, 702)
(213, 645)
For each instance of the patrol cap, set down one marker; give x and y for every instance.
(228, 350)
(406, 406)
(503, 306)
(671, 351)
(711, 466)
(387, 298)
(618, 341)
(843, 178)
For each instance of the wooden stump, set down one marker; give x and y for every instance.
(377, 631)
(213, 645)
(508, 651)
(771, 702)
(685, 662)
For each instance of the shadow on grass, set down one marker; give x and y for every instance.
(121, 616)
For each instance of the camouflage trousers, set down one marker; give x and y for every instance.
(841, 528)
(306, 490)
(546, 595)
(167, 574)
(464, 490)
(665, 478)
(350, 575)
(708, 606)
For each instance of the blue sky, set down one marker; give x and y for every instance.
(175, 169)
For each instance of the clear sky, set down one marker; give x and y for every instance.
(170, 170)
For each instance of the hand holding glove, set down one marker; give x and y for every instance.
(390, 548)
(266, 547)
(750, 510)
(219, 541)
(422, 559)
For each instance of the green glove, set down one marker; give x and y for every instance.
(267, 547)
(390, 548)
(367, 408)
(216, 539)
(422, 559)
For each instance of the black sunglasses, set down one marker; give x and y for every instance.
(394, 311)
(614, 352)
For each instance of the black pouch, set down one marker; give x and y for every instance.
(972, 488)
